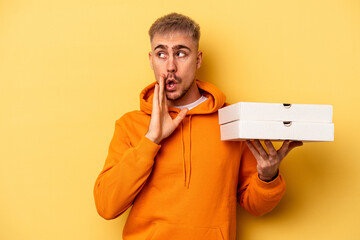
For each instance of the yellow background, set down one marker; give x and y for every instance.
(69, 69)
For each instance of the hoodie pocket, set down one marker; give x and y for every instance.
(164, 231)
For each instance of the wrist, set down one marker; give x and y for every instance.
(267, 178)
(151, 138)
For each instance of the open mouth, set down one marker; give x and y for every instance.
(170, 85)
(171, 82)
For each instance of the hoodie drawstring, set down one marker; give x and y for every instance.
(183, 152)
(186, 155)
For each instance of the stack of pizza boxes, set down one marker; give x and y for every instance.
(276, 121)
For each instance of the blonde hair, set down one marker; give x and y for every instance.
(175, 22)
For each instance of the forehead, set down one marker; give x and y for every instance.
(171, 39)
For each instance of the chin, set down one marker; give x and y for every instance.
(173, 97)
(176, 95)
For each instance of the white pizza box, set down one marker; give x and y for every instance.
(277, 130)
(276, 112)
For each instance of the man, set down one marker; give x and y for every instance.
(167, 159)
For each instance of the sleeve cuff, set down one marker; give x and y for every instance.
(146, 147)
(269, 185)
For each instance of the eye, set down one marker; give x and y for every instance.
(181, 54)
(161, 55)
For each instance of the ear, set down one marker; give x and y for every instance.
(150, 59)
(199, 59)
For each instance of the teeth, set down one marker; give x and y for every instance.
(171, 83)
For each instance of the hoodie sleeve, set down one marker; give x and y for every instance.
(124, 174)
(256, 196)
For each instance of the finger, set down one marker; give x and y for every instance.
(180, 116)
(293, 145)
(284, 148)
(161, 90)
(260, 149)
(252, 148)
(156, 97)
(165, 105)
(270, 148)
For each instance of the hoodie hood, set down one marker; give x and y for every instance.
(216, 100)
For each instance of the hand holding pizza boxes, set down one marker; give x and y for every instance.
(276, 121)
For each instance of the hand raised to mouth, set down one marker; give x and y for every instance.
(161, 124)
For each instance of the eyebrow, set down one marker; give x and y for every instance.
(176, 47)
(181, 46)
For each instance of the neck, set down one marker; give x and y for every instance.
(191, 96)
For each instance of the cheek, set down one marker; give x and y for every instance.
(158, 65)
(157, 70)
(190, 68)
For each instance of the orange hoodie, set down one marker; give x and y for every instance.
(187, 187)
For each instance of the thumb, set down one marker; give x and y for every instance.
(180, 116)
(292, 145)
(295, 144)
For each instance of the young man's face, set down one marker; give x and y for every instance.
(175, 55)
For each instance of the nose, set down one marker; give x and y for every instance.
(171, 65)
